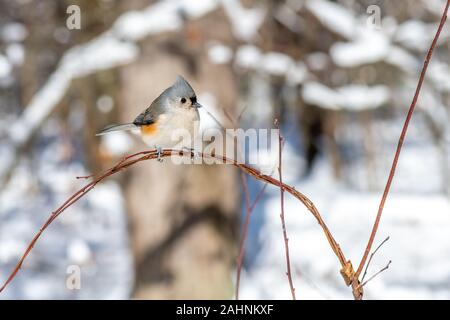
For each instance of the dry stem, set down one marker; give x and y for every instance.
(399, 149)
(283, 222)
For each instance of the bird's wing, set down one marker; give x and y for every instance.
(145, 118)
(151, 114)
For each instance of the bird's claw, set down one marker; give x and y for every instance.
(158, 153)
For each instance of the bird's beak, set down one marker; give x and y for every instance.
(196, 105)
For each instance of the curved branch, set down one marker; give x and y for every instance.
(153, 154)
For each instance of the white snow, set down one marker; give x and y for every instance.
(317, 61)
(103, 52)
(248, 57)
(402, 59)
(245, 21)
(360, 97)
(273, 63)
(351, 97)
(219, 53)
(92, 234)
(135, 25)
(106, 51)
(417, 35)
(370, 46)
(414, 34)
(105, 103)
(435, 6)
(415, 222)
(297, 73)
(5, 66)
(163, 16)
(14, 32)
(10, 249)
(276, 63)
(315, 93)
(15, 53)
(439, 73)
(333, 16)
(116, 143)
(209, 107)
(78, 252)
(196, 9)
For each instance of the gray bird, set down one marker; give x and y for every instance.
(170, 120)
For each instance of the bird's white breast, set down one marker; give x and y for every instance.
(176, 127)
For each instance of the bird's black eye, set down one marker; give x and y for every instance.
(183, 100)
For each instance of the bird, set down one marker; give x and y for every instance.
(169, 120)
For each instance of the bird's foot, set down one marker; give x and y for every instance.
(158, 153)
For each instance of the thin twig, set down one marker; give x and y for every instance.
(242, 112)
(376, 274)
(248, 208)
(283, 221)
(84, 177)
(243, 240)
(246, 191)
(371, 257)
(248, 211)
(399, 147)
(240, 256)
(244, 237)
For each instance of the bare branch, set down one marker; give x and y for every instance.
(283, 222)
(241, 254)
(376, 274)
(371, 257)
(153, 154)
(399, 147)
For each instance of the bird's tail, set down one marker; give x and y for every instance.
(117, 127)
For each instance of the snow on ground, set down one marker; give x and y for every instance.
(416, 217)
(91, 235)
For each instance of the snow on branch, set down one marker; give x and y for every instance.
(116, 46)
(350, 98)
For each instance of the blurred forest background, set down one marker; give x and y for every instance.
(339, 75)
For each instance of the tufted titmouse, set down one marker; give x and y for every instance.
(174, 109)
